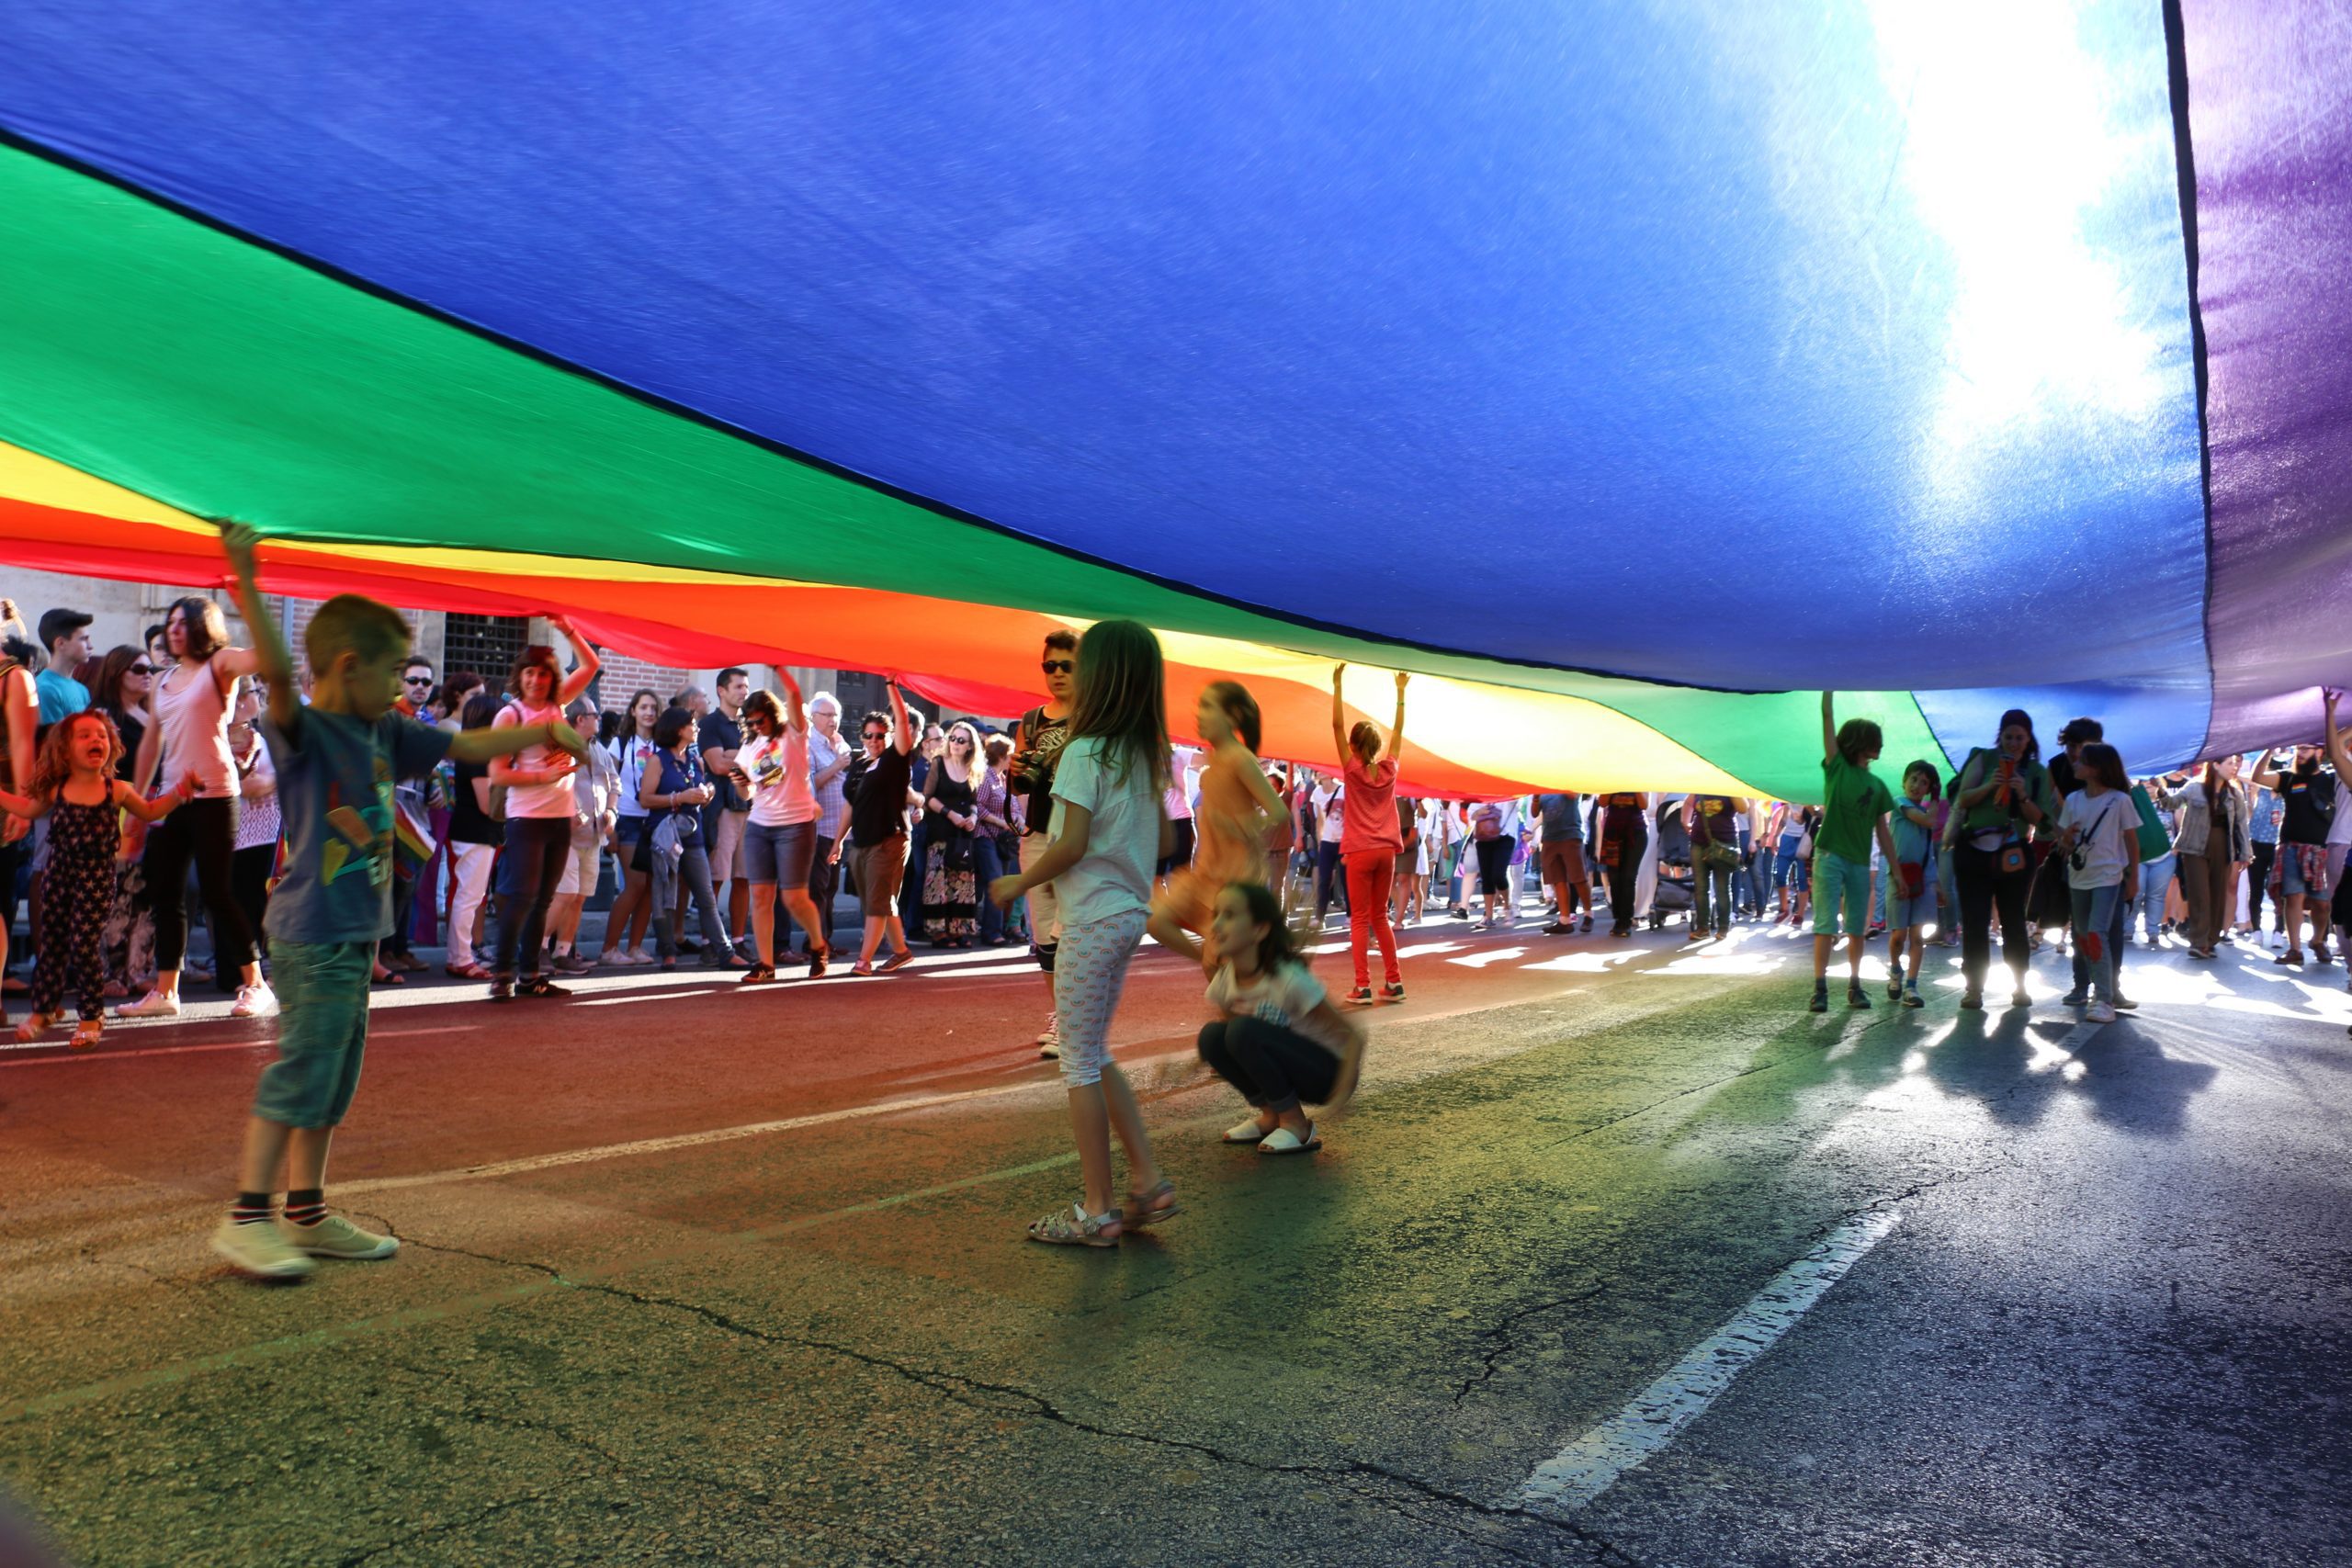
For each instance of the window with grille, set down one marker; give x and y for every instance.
(487, 645)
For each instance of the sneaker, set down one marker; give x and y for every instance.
(573, 963)
(2124, 1004)
(336, 1236)
(688, 944)
(1053, 1029)
(2080, 995)
(1911, 997)
(154, 1004)
(818, 962)
(1360, 996)
(2020, 998)
(2100, 1012)
(1696, 935)
(540, 986)
(1971, 1002)
(502, 987)
(1820, 1002)
(261, 1250)
(1393, 992)
(897, 960)
(1049, 1045)
(1585, 924)
(1856, 997)
(2320, 953)
(1894, 986)
(254, 1001)
(2292, 958)
(1558, 928)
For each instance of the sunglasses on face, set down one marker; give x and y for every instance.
(877, 735)
(416, 680)
(1058, 666)
(142, 669)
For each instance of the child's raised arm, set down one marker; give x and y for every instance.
(1396, 731)
(1828, 725)
(153, 810)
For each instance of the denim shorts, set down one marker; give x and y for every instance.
(781, 855)
(1838, 881)
(321, 1031)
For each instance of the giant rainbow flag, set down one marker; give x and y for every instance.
(1629, 373)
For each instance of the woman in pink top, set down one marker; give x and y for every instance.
(1369, 839)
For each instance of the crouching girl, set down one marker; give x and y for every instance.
(1277, 1038)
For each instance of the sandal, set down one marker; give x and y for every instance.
(1247, 1132)
(35, 1026)
(1282, 1141)
(384, 976)
(468, 971)
(1149, 1208)
(1074, 1226)
(86, 1036)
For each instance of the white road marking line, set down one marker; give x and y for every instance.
(105, 1056)
(693, 1140)
(1593, 1463)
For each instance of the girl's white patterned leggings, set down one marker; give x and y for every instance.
(1089, 970)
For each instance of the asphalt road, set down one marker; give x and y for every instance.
(694, 1275)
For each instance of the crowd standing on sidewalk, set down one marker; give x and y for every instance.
(305, 815)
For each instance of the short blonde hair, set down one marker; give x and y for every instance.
(353, 623)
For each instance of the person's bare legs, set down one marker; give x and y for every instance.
(270, 1146)
(865, 949)
(1127, 1119)
(762, 912)
(803, 910)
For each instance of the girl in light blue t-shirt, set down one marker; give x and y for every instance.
(1109, 831)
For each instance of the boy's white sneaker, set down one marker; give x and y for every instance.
(154, 1004)
(254, 1001)
(2100, 1012)
(261, 1250)
(336, 1236)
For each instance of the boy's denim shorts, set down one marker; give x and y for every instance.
(321, 1031)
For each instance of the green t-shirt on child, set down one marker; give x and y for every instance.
(1852, 800)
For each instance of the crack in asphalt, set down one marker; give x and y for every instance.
(354, 1560)
(1505, 1344)
(1012, 1399)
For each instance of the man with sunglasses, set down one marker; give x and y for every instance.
(1038, 741)
(416, 692)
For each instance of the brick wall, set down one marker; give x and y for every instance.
(624, 674)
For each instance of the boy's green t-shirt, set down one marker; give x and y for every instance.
(1852, 800)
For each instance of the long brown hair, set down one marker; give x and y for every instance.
(1233, 699)
(1122, 699)
(55, 763)
(106, 691)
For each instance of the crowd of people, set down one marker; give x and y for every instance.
(307, 814)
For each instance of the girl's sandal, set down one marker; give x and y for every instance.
(86, 1037)
(1151, 1208)
(1074, 1226)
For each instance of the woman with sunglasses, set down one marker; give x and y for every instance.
(540, 804)
(951, 815)
(780, 838)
